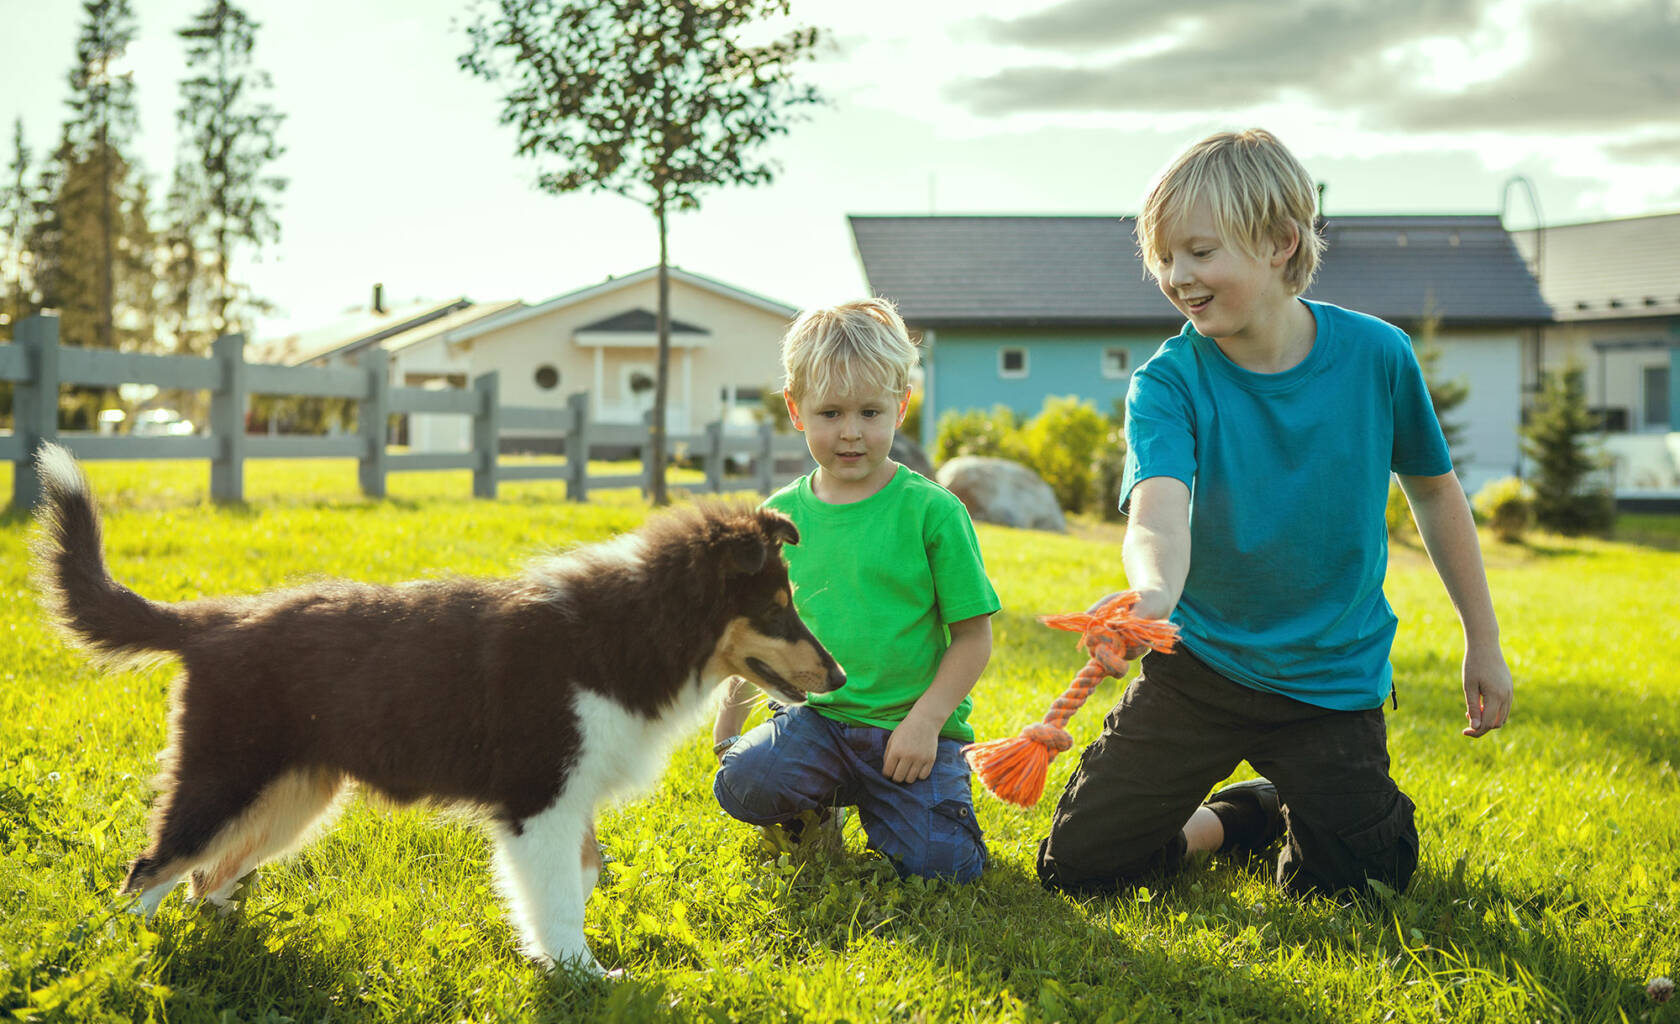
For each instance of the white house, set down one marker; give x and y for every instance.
(600, 340)
(1614, 288)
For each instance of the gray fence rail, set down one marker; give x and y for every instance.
(38, 367)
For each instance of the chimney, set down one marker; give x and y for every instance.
(379, 298)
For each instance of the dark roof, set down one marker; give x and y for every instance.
(1608, 269)
(1464, 268)
(993, 269)
(1086, 271)
(640, 321)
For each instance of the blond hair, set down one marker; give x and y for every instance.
(855, 348)
(1257, 192)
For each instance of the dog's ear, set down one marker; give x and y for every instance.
(778, 527)
(748, 554)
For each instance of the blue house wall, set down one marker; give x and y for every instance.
(1060, 361)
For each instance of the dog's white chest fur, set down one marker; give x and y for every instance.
(623, 752)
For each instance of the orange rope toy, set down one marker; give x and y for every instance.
(1014, 769)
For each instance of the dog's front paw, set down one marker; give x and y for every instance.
(583, 963)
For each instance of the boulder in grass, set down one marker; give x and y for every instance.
(1003, 492)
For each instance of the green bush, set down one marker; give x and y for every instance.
(1062, 444)
(1078, 451)
(977, 432)
(1506, 506)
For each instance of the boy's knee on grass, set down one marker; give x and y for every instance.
(1345, 860)
(953, 850)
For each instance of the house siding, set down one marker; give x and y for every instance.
(741, 350)
(1490, 363)
(1060, 361)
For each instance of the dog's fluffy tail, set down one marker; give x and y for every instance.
(95, 611)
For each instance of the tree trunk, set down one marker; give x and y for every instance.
(108, 272)
(662, 376)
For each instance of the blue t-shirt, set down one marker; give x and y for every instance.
(1288, 476)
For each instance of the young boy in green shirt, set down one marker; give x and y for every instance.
(888, 574)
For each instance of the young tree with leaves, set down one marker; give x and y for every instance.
(1557, 439)
(653, 101)
(223, 196)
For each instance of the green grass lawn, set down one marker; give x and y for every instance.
(1549, 885)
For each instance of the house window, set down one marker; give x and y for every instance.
(1657, 412)
(1012, 362)
(1116, 362)
(548, 378)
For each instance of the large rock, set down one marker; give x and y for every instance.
(1003, 492)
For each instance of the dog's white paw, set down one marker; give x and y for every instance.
(580, 963)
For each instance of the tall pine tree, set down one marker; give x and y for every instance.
(223, 196)
(15, 211)
(100, 185)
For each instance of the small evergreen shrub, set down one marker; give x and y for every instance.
(1558, 437)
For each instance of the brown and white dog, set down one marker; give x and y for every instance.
(531, 699)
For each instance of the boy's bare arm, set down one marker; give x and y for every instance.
(914, 745)
(737, 704)
(1157, 546)
(1449, 536)
(1156, 552)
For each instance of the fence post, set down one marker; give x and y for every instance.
(714, 456)
(227, 420)
(577, 447)
(766, 458)
(372, 416)
(34, 404)
(487, 435)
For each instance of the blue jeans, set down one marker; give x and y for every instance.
(800, 760)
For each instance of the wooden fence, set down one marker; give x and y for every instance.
(38, 367)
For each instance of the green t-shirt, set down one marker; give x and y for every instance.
(878, 581)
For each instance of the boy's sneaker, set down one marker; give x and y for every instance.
(1251, 814)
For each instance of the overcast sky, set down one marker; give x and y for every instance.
(400, 174)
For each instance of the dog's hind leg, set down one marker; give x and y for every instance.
(278, 820)
(541, 874)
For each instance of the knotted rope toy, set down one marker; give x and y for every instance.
(1014, 769)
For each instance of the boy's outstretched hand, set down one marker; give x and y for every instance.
(1487, 690)
(1152, 604)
